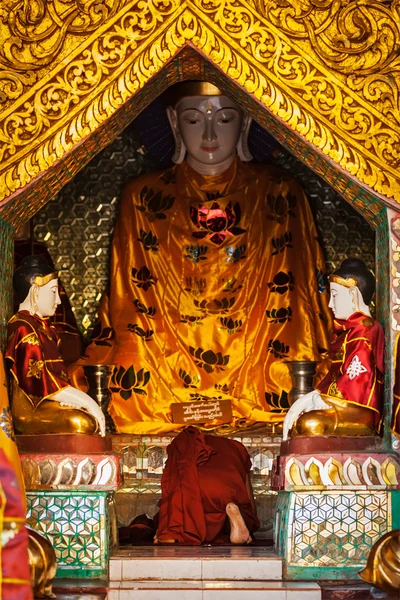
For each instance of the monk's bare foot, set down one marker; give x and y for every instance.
(157, 540)
(239, 532)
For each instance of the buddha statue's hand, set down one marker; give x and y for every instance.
(73, 397)
(304, 404)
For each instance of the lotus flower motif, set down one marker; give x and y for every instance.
(102, 336)
(128, 382)
(208, 360)
(216, 223)
(282, 282)
(278, 348)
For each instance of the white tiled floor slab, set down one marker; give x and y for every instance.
(160, 595)
(133, 570)
(244, 595)
(215, 590)
(195, 563)
(242, 569)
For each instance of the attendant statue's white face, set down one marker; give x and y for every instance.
(210, 131)
(42, 300)
(345, 301)
(48, 299)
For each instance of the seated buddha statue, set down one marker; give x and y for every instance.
(216, 277)
(348, 400)
(43, 401)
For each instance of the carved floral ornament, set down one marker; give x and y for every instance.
(329, 69)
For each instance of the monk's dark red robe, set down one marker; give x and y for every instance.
(202, 475)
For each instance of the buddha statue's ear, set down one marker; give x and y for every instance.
(180, 148)
(33, 299)
(242, 147)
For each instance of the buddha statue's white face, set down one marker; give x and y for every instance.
(208, 129)
(344, 301)
(45, 299)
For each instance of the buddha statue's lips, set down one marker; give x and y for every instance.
(209, 148)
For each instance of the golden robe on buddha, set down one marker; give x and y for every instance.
(215, 282)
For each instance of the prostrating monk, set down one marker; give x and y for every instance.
(216, 277)
(43, 399)
(348, 401)
(206, 493)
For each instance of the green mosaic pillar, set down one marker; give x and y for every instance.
(6, 273)
(79, 524)
(329, 534)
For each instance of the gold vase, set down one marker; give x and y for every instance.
(98, 378)
(302, 373)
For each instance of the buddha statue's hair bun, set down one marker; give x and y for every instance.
(31, 267)
(356, 268)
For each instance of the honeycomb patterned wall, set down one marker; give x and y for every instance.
(77, 225)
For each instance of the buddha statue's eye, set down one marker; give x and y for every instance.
(192, 117)
(225, 116)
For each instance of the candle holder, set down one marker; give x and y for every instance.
(98, 378)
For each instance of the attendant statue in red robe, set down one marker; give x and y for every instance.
(348, 400)
(43, 399)
(63, 320)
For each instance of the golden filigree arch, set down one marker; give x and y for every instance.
(329, 72)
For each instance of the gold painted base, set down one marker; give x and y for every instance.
(383, 565)
(341, 419)
(43, 564)
(49, 417)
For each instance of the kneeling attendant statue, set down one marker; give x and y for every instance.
(43, 400)
(347, 402)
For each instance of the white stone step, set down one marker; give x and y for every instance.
(226, 563)
(214, 590)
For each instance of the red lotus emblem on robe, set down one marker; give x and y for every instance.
(216, 223)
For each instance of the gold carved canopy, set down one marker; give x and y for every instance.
(73, 73)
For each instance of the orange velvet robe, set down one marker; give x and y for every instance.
(356, 372)
(215, 282)
(202, 475)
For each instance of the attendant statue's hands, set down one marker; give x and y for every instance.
(70, 396)
(306, 403)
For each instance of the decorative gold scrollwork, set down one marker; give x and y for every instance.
(330, 70)
(35, 32)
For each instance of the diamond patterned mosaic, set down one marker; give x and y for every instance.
(78, 525)
(77, 225)
(335, 529)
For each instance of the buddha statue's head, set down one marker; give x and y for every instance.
(36, 287)
(352, 287)
(209, 128)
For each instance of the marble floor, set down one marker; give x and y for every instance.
(195, 563)
(202, 573)
(206, 573)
